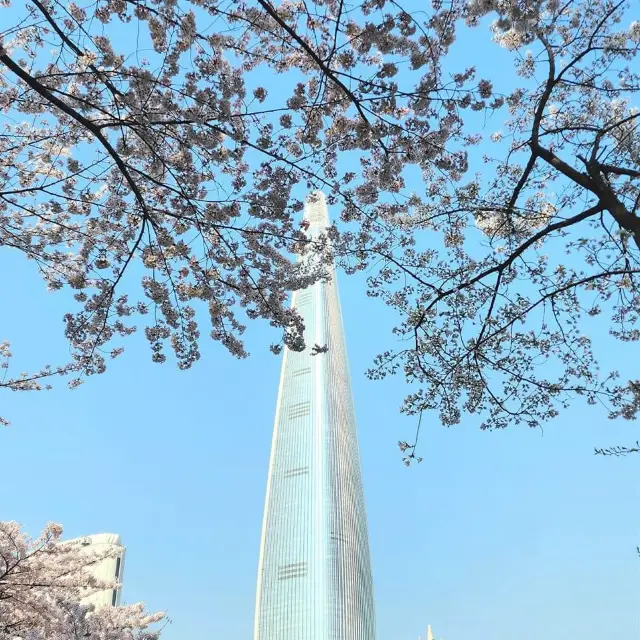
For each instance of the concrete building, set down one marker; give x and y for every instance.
(111, 569)
(314, 576)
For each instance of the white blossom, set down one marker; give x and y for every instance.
(43, 584)
(166, 192)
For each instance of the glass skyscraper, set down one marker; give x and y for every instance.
(314, 575)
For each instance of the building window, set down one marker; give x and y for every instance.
(299, 471)
(288, 571)
(117, 567)
(113, 598)
(299, 410)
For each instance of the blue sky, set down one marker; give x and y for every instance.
(514, 534)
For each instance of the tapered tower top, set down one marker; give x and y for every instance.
(315, 210)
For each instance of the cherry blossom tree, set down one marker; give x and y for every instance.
(155, 156)
(497, 311)
(42, 583)
(158, 156)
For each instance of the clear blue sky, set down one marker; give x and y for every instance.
(498, 535)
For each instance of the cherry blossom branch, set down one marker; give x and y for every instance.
(505, 264)
(268, 7)
(618, 451)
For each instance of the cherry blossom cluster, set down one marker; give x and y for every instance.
(183, 167)
(165, 189)
(496, 274)
(42, 584)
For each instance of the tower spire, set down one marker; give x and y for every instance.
(316, 212)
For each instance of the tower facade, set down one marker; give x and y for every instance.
(314, 575)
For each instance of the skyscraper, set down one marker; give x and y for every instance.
(314, 575)
(109, 569)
